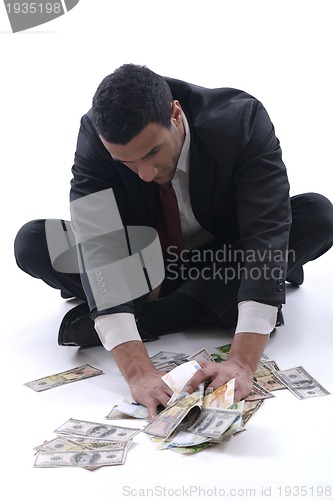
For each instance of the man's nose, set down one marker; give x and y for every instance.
(147, 171)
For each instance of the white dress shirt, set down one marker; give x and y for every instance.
(254, 317)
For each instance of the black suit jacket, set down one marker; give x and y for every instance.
(238, 183)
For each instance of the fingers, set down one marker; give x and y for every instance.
(197, 378)
(161, 396)
(211, 372)
(242, 391)
(152, 409)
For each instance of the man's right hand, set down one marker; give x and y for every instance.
(145, 382)
(150, 391)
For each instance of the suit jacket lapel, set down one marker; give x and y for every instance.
(201, 185)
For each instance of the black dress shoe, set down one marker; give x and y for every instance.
(66, 295)
(77, 329)
(296, 278)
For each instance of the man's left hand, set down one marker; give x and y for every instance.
(219, 374)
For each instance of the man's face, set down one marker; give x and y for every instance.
(153, 154)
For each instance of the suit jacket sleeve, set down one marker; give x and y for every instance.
(261, 191)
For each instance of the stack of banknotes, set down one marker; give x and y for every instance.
(86, 444)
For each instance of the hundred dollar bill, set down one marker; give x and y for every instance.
(163, 356)
(213, 422)
(73, 375)
(258, 392)
(201, 355)
(73, 443)
(83, 458)
(166, 366)
(301, 383)
(222, 397)
(185, 438)
(237, 425)
(97, 430)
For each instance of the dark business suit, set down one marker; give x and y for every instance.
(238, 187)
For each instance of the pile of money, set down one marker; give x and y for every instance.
(90, 445)
(188, 424)
(268, 377)
(192, 422)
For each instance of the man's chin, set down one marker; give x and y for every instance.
(165, 179)
(162, 181)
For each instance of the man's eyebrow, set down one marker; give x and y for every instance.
(151, 152)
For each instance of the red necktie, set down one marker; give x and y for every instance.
(168, 223)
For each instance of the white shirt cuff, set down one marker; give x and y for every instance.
(115, 329)
(254, 317)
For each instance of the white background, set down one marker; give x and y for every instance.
(279, 51)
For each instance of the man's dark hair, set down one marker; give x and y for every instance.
(129, 99)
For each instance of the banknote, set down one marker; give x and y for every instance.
(178, 377)
(61, 378)
(83, 458)
(185, 406)
(133, 409)
(159, 443)
(166, 366)
(218, 358)
(301, 383)
(164, 356)
(250, 408)
(224, 348)
(213, 422)
(115, 414)
(265, 357)
(186, 438)
(258, 392)
(223, 351)
(222, 397)
(73, 443)
(166, 422)
(238, 425)
(266, 379)
(190, 450)
(97, 430)
(271, 365)
(201, 355)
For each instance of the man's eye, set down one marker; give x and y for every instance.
(152, 153)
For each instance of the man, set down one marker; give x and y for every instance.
(239, 226)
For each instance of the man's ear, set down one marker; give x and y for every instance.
(176, 112)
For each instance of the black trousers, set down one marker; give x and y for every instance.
(311, 236)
